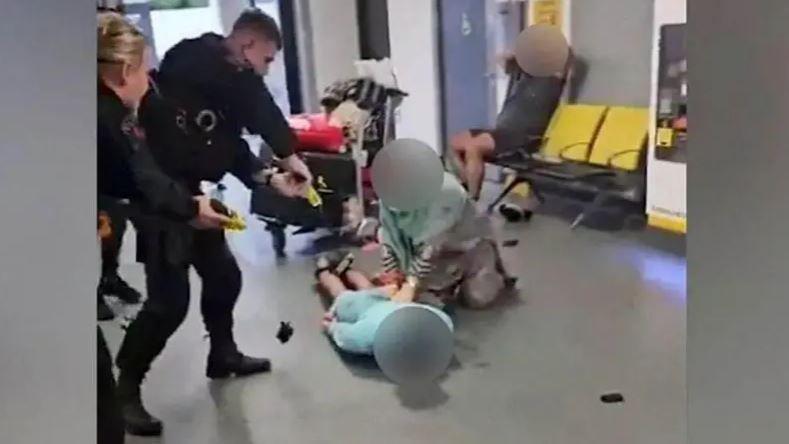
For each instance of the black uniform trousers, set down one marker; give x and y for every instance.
(168, 302)
(110, 428)
(119, 215)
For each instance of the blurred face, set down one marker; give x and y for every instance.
(135, 80)
(260, 53)
(128, 81)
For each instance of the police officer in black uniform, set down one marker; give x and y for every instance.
(208, 90)
(127, 172)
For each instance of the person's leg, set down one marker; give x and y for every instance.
(221, 278)
(105, 313)
(332, 283)
(358, 280)
(146, 337)
(472, 147)
(112, 244)
(111, 283)
(483, 280)
(110, 428)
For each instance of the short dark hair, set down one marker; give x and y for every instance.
(257, 21)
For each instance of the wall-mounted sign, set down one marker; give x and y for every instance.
(545, 12)
(667, 160)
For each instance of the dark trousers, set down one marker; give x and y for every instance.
(168, 303)
(110, 422)
(111, 245)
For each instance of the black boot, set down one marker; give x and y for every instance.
(223, 364)
(114, 285)
(138, 421)
(105, 312)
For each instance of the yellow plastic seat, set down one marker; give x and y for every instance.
(621, 139)
(572, 131)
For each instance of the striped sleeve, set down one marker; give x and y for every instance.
(388, 259)
(423, 264)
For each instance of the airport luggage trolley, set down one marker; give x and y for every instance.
(340, 168)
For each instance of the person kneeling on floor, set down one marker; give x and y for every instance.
(431, 232)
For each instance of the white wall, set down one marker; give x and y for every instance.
(413, 31)
(335, 43)
(172, 26)
(666, 181)
(613, 37)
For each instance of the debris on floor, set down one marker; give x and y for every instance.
(510, 243)
(285, 332)
(612, 398)
(513, 213)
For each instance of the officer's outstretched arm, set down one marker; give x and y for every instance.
(261, 114)
(246, 165)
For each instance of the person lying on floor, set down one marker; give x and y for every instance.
(359, 306)
(444, 252)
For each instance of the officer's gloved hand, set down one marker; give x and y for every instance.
(288, 185)
(295, 165)
(207, 217)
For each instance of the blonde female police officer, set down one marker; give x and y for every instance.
(128, 171)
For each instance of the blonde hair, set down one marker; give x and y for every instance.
(119, 41)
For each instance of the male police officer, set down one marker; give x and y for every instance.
(210, 89)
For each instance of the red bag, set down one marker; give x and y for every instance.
(315, 133)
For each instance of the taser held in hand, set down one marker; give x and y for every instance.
(236, 223)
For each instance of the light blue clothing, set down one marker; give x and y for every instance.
(358, 315)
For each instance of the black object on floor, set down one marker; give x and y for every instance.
(510, 213)
(285, 332)
(513, 213)
(612, 398)
(510, 243)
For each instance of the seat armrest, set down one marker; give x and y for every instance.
(618, 154)
(564, 150)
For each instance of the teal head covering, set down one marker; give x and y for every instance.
(403, 231)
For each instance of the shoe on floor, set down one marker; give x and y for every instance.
(136, 418)
(224, 365)
(337, 263)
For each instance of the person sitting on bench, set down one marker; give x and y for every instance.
(523, 119)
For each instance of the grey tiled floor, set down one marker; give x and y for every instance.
(598, 312)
